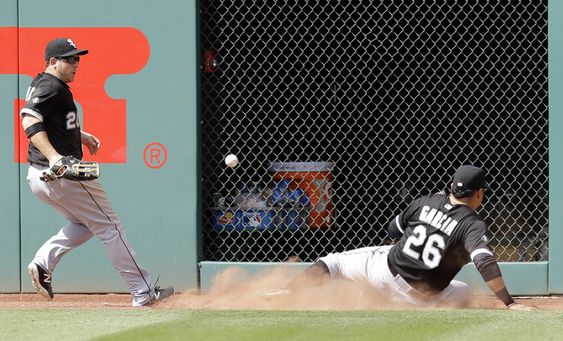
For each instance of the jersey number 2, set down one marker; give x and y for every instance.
(71, 121)
(431, 253)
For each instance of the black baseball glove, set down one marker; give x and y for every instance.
(73, 169)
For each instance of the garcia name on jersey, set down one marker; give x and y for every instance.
(437, 239)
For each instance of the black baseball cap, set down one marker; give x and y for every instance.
(469, 178)
(62, 47)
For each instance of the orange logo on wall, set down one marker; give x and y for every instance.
(115, 50)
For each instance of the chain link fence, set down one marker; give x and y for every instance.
(373, 104)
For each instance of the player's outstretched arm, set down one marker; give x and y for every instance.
(499, 288)
(488, 267)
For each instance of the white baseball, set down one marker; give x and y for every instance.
(231, 160)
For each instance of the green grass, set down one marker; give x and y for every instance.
(183, 324)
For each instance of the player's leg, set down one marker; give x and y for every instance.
(457, 294)
(50, 253)
(356, 265)
(350, 265)
(314, 275)
(379, 276)
(68, 238)
(89, 202)
(367, 264)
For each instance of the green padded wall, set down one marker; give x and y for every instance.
(9, 184)
(136, 90)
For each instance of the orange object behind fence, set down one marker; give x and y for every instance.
(315, 179)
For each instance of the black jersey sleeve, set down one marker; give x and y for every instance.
(397, 225)
(39, 100)
(476, 238)
(477, 245)
(394, 229)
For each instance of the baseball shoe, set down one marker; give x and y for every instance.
(41, 280)
(160, 295)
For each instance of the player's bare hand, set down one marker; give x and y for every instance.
(522, 307)
(90, 141)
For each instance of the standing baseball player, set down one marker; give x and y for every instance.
(50, 121)
(439, 234)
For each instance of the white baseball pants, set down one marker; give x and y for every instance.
(370, 264)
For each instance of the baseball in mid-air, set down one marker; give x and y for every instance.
(231, 160)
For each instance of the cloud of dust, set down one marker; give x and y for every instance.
(235, 288)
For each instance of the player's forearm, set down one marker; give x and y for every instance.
(487, 265)
(41, 141)
(90, 141)
(499, 288)
(84, 136)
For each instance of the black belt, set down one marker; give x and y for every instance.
(391, 268)
(414, 292)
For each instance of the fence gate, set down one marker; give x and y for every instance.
(387, 98)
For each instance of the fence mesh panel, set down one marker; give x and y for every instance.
(396, 94)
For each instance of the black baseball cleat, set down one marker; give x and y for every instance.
(160, 295)
(41, 280)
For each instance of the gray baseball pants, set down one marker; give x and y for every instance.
(87, 208)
